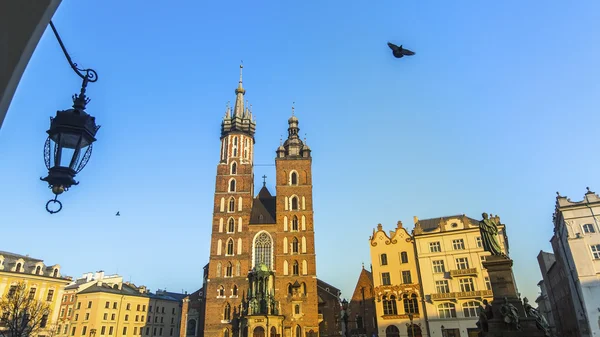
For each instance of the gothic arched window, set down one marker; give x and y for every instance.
(294, 205)
(295, 223)
(227, 312)
(232, 204)
(234, 168)
(295, 246)
(221, 291)
(294, 178)
(295, 268)
(229, 270)
(262, 249)
(231, 225)
(298, 331)
(232, 185)
(235, 290)
(229, 247)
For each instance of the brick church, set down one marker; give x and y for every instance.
(261, 279)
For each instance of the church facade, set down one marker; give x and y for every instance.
(262, 270)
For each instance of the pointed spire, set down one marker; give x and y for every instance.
(238, 110)
(228, 110)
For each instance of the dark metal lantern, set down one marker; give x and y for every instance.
(70, 138)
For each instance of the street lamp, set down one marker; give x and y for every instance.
(345, 317)
(72, 132)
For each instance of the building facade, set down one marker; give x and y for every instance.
(44, 283)
(362, 314)
(399, 300)
(576, 246)
(109, 307)
(545, 308)
(329, 308)
(454, 283)
(262, 269)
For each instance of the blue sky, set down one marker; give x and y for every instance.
(495, 113)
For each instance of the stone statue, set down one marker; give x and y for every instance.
(510, 314)
(489, 235)
(487, 309)
(540, 320)
(482, 323)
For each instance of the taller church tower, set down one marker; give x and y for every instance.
(262, 269)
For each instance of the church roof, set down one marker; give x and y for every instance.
(263, 208)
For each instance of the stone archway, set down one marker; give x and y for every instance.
(259, 331)
(392, 331)
(273, 332)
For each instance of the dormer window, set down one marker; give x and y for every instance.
(38, 270)
(18, 268)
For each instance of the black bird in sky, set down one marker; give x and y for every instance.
(118, 214)
(398, 51)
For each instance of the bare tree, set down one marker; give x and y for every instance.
(22, 314)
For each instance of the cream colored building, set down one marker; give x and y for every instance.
(44, 282)
(396, 284)
(454, 283)
(109, 307)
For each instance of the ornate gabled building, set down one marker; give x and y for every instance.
(399, 300)
(453, 280)
(262, 270)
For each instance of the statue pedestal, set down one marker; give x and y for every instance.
(503, 286)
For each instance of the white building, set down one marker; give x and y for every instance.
(576, 243)
(450, 255)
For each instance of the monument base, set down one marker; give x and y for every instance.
(504, 288)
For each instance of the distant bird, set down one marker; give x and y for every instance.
(118, 214)
(399, 52)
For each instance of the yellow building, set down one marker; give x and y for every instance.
(107, 308)
(454, 283)
(399, 304)
(45, 283)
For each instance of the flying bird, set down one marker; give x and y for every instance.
(118, 214)
(398, 51)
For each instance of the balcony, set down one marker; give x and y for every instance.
(463, 272)
(461, 294)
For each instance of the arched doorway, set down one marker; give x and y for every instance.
(273, 332)
(392, 331)
(414, 331)
(259, 331)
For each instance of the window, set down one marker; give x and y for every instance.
(295, 246)
(229, 270)
(385, 279)
(112, 317)
(406, 278)
(488, 284)
(76, 317)
(103, 330)
(137, 318)
(447, 310)
(589, 228)
(50, 295)
(442, 287)
(226, 333)
(128, 307)
(232, 185)
(231, 225)
(262, 249)
(124, 330)
(32, 295)
(78, 305)
(295, 268)
(462, 263)
(478, 241)
(110, 331)
(470, 309)
(466, 284)
(73, 331)
(482, 258)
(89, 304)
(115, 305)
(221, 292)
(126, 318)
(233, 168)
(384, 259)
(84, 330)
(227, 312)
(294, 203)
(171, 332)
(404, 257)
(435, 247)
(389, 305)
(144, 307)
(294, 178)
(234, 292)
(596, 251)
(173, 311)
(18, 268)
(12, 290)
(107, 305)
(235, 146)
(410, 304)
(230, 247)
(62, 312)
(298, 331)
(295, 223)
(44, 321)
(231, 204)
(458, 244)
(87, 316)
(297, 309)
(135, 330)
(438, 266)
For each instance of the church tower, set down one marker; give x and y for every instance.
(262, 272)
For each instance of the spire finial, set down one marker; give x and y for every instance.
(293, 108)
(280, 139)
(241, 67)
(363, 265)
(264, 180)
